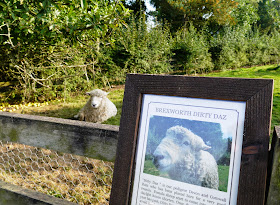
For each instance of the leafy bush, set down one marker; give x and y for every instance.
(191, 52)
(140, 50)
(244, 46)
(50, 49)
(233, 45)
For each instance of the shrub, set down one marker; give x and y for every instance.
(190, 50)
(140, 50)
(233, 46)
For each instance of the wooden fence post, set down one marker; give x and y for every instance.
(273, 179)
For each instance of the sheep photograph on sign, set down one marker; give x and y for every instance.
(192, 140)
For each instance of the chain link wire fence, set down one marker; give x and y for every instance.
(74, 178)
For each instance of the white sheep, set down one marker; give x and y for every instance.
(181, 154)
(98, 108)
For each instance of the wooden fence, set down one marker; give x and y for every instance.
(68, 136)
(86, 139)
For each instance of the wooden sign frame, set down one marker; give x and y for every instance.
(256, 93)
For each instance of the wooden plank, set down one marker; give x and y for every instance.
(273, 197)
(92, 140)
(15, 195)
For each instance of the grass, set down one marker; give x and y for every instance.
(269, 71)
(223, 177)
(149, 168)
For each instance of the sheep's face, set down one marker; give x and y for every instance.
(96, 101)
(178, 143)
(97, 96)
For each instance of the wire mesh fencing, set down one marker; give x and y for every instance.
(74, 178)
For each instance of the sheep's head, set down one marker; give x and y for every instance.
(177, 143)
(96, 97)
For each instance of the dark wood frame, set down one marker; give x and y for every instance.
(257, 93)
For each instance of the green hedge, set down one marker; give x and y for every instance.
(44, 72)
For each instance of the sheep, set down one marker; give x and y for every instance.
(181, 154)
(98, 108)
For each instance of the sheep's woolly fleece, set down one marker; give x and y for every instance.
(98, 108)
(182, 155)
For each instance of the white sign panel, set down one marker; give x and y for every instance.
(188, 151)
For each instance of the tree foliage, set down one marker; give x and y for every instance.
(246, 12)
(215, 14)
(51, 20)
(51, 48)
(201, 12)
(269, 13)
(38, 40)
(198, 12)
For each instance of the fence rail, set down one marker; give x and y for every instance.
(15, 195)
(96, 141)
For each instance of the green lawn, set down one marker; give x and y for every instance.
(270, 71)
(66, 108)
(223, 177)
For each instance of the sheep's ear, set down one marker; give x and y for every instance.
(205, 147)
(87, 93)
(200, 144)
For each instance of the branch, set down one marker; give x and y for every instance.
(70, 66)
(8, 35)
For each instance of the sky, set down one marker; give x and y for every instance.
(149, 6)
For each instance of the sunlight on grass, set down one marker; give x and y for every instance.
(269, 71)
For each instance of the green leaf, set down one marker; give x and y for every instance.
(84, 4)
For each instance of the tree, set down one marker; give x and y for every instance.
(197, 12)
(137, 6)
(166, 13)
(269, 12)
(246, 12)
